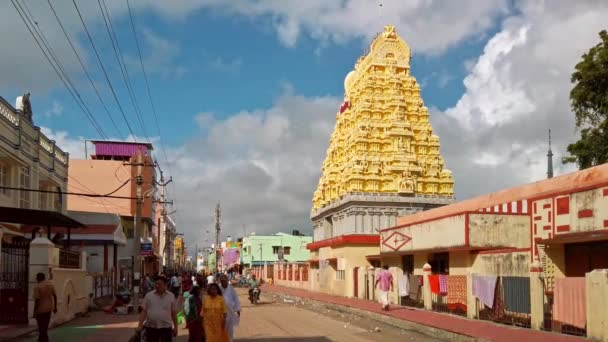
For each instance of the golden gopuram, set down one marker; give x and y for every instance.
(383, 159)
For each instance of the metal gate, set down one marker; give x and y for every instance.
(14, 281)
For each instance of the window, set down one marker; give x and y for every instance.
(42, 199)
(5, 178)
(129, 229)
(408, 263)
(275, 249)
(340, 275)
(24, 182)
(286, 250)
(440, 263)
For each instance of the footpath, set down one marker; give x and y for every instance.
(444, 326)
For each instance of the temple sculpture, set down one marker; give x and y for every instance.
(383, 141)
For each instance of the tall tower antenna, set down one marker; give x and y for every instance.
(217, 225)
(549, 159)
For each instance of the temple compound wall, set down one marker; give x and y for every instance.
(551, 235)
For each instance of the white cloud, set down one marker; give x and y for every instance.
(261, 165)
(496, 135)
(72, 145)
(56, 110)
(224, 65)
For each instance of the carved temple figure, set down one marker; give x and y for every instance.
(366, 132)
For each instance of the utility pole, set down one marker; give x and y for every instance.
(217, 233)
(139, 180)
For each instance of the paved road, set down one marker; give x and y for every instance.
(271, 320)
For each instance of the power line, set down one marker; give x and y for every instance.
(141, 62)
(108, 195)
(120, 135)
(73, 92)
(124, 116)
(121, 63)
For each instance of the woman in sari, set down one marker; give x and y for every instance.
(214, 315)
(193, 308)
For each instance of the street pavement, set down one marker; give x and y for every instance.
(271, 320)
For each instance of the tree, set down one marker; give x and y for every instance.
(589, 102)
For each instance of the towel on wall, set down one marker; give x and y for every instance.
(516, 294)
(457, 292)
(404, 285)
(443, 284)
(434, 283)
(569, 301)
(484, 288)
(414, 290)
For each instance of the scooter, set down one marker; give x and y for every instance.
(254, 295)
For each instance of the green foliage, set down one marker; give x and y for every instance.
(589, 102)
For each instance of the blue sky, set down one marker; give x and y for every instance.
(247, 91)
(223, 65)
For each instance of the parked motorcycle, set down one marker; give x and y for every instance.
(254, 295)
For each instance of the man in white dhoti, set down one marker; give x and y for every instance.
(384, 281)
(233, 306)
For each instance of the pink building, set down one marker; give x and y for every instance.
(112, 169)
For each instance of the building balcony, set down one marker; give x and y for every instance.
(21, 140)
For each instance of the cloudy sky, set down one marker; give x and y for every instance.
(246, 92)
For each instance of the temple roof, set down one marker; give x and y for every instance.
(383, 141)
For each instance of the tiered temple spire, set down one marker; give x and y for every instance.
(383, 141)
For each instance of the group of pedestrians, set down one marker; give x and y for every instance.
(211, 306)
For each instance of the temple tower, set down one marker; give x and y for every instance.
(383, 159)
(383, 144)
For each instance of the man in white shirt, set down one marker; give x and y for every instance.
(233, 306)
(175, 285)
(159, 314)
(210, 279)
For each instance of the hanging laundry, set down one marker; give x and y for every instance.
(443, 284)
(404, 285)
(434, 283)
(484, 288)
(569, 301)
(415, 284)
(516, 294)
(457, 292)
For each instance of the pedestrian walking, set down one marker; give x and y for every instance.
(175, 286)
(214, 315)
(193, 315)
(384, 282)
(159, 314)
(210, 279)
(233, 306)
(45, 302)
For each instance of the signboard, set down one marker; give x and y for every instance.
(146, 249)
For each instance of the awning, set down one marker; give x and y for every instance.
(590, 236)
(372, 257)
(43, 218)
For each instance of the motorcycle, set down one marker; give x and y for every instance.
(254, 295)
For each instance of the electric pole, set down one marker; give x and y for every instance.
(139, 180)
(217, 233)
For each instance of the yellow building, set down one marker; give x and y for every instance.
(383, 162)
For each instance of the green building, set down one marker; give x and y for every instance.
(260, 249)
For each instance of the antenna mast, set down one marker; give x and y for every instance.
(549, 159)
